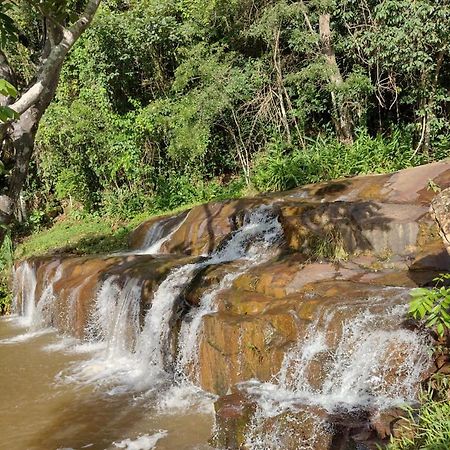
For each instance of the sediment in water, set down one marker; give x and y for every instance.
(300, 296)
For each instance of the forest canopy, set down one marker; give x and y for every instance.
(167, 102)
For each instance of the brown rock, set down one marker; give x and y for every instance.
(233, 416)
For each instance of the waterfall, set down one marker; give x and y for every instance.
(44, 311)
(115, 319)
(262, 230)
(160, 233)
(366, 363)
(143, 358)
(24, 281)
(34, 312)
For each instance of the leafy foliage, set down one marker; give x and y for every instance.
(6, 262)
(6, 113)
(433, 305)
(163, 103)
(280, 168)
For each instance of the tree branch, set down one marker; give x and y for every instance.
(56, 57)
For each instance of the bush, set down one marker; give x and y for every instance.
(326, 158)
(428, 427)
(432, 306)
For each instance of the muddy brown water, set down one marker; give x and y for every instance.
(40, 412)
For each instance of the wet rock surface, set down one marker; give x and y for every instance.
(348, 245)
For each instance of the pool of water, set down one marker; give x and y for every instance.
(40, 410)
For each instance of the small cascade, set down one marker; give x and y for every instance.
(190, 333)
(262, 231)
(44, 310)
(115, 319)
(365, 365)
(160, 233)
(25, 283)
(35, 313)
(141, 358)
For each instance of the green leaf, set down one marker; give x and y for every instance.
(6, 113)
(7, 89)
(419, 292)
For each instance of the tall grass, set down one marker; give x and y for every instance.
(280, 168)
(427, 428)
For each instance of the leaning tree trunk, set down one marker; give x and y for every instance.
(6, 203)
(341, 114)
(18, 137)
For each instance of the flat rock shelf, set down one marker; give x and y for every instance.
(282, 315)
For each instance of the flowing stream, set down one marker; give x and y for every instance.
(138, 378)
(38, 411)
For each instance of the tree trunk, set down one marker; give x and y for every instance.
(341, 114)
(440, 211)
(18, 137)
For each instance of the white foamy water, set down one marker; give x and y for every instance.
(139, 353)
(372, 364)
(263, 232)
(185, 397)
(24, 337)
(146, 442)
(33, 315)
(157, 235)
(25, 289)
(282, 434)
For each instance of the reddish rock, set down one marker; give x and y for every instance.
(345, 240)
(233, 415)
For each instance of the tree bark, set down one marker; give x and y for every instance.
(18, 137)
(440, 211)
(341, 114)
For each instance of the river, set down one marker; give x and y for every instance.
(41, 409)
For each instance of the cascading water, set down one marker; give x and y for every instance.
(262, 231)
(141, 359)
(369, 364)
(25, 289)
(32, 313)
(160, 233)
(115, 320)
(153, 321)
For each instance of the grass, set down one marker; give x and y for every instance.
(428, 427)
(325, 158)
(88, 234)
(329, 245)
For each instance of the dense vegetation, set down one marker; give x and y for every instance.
(168, 102)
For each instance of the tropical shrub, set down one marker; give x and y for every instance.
(432, 306)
